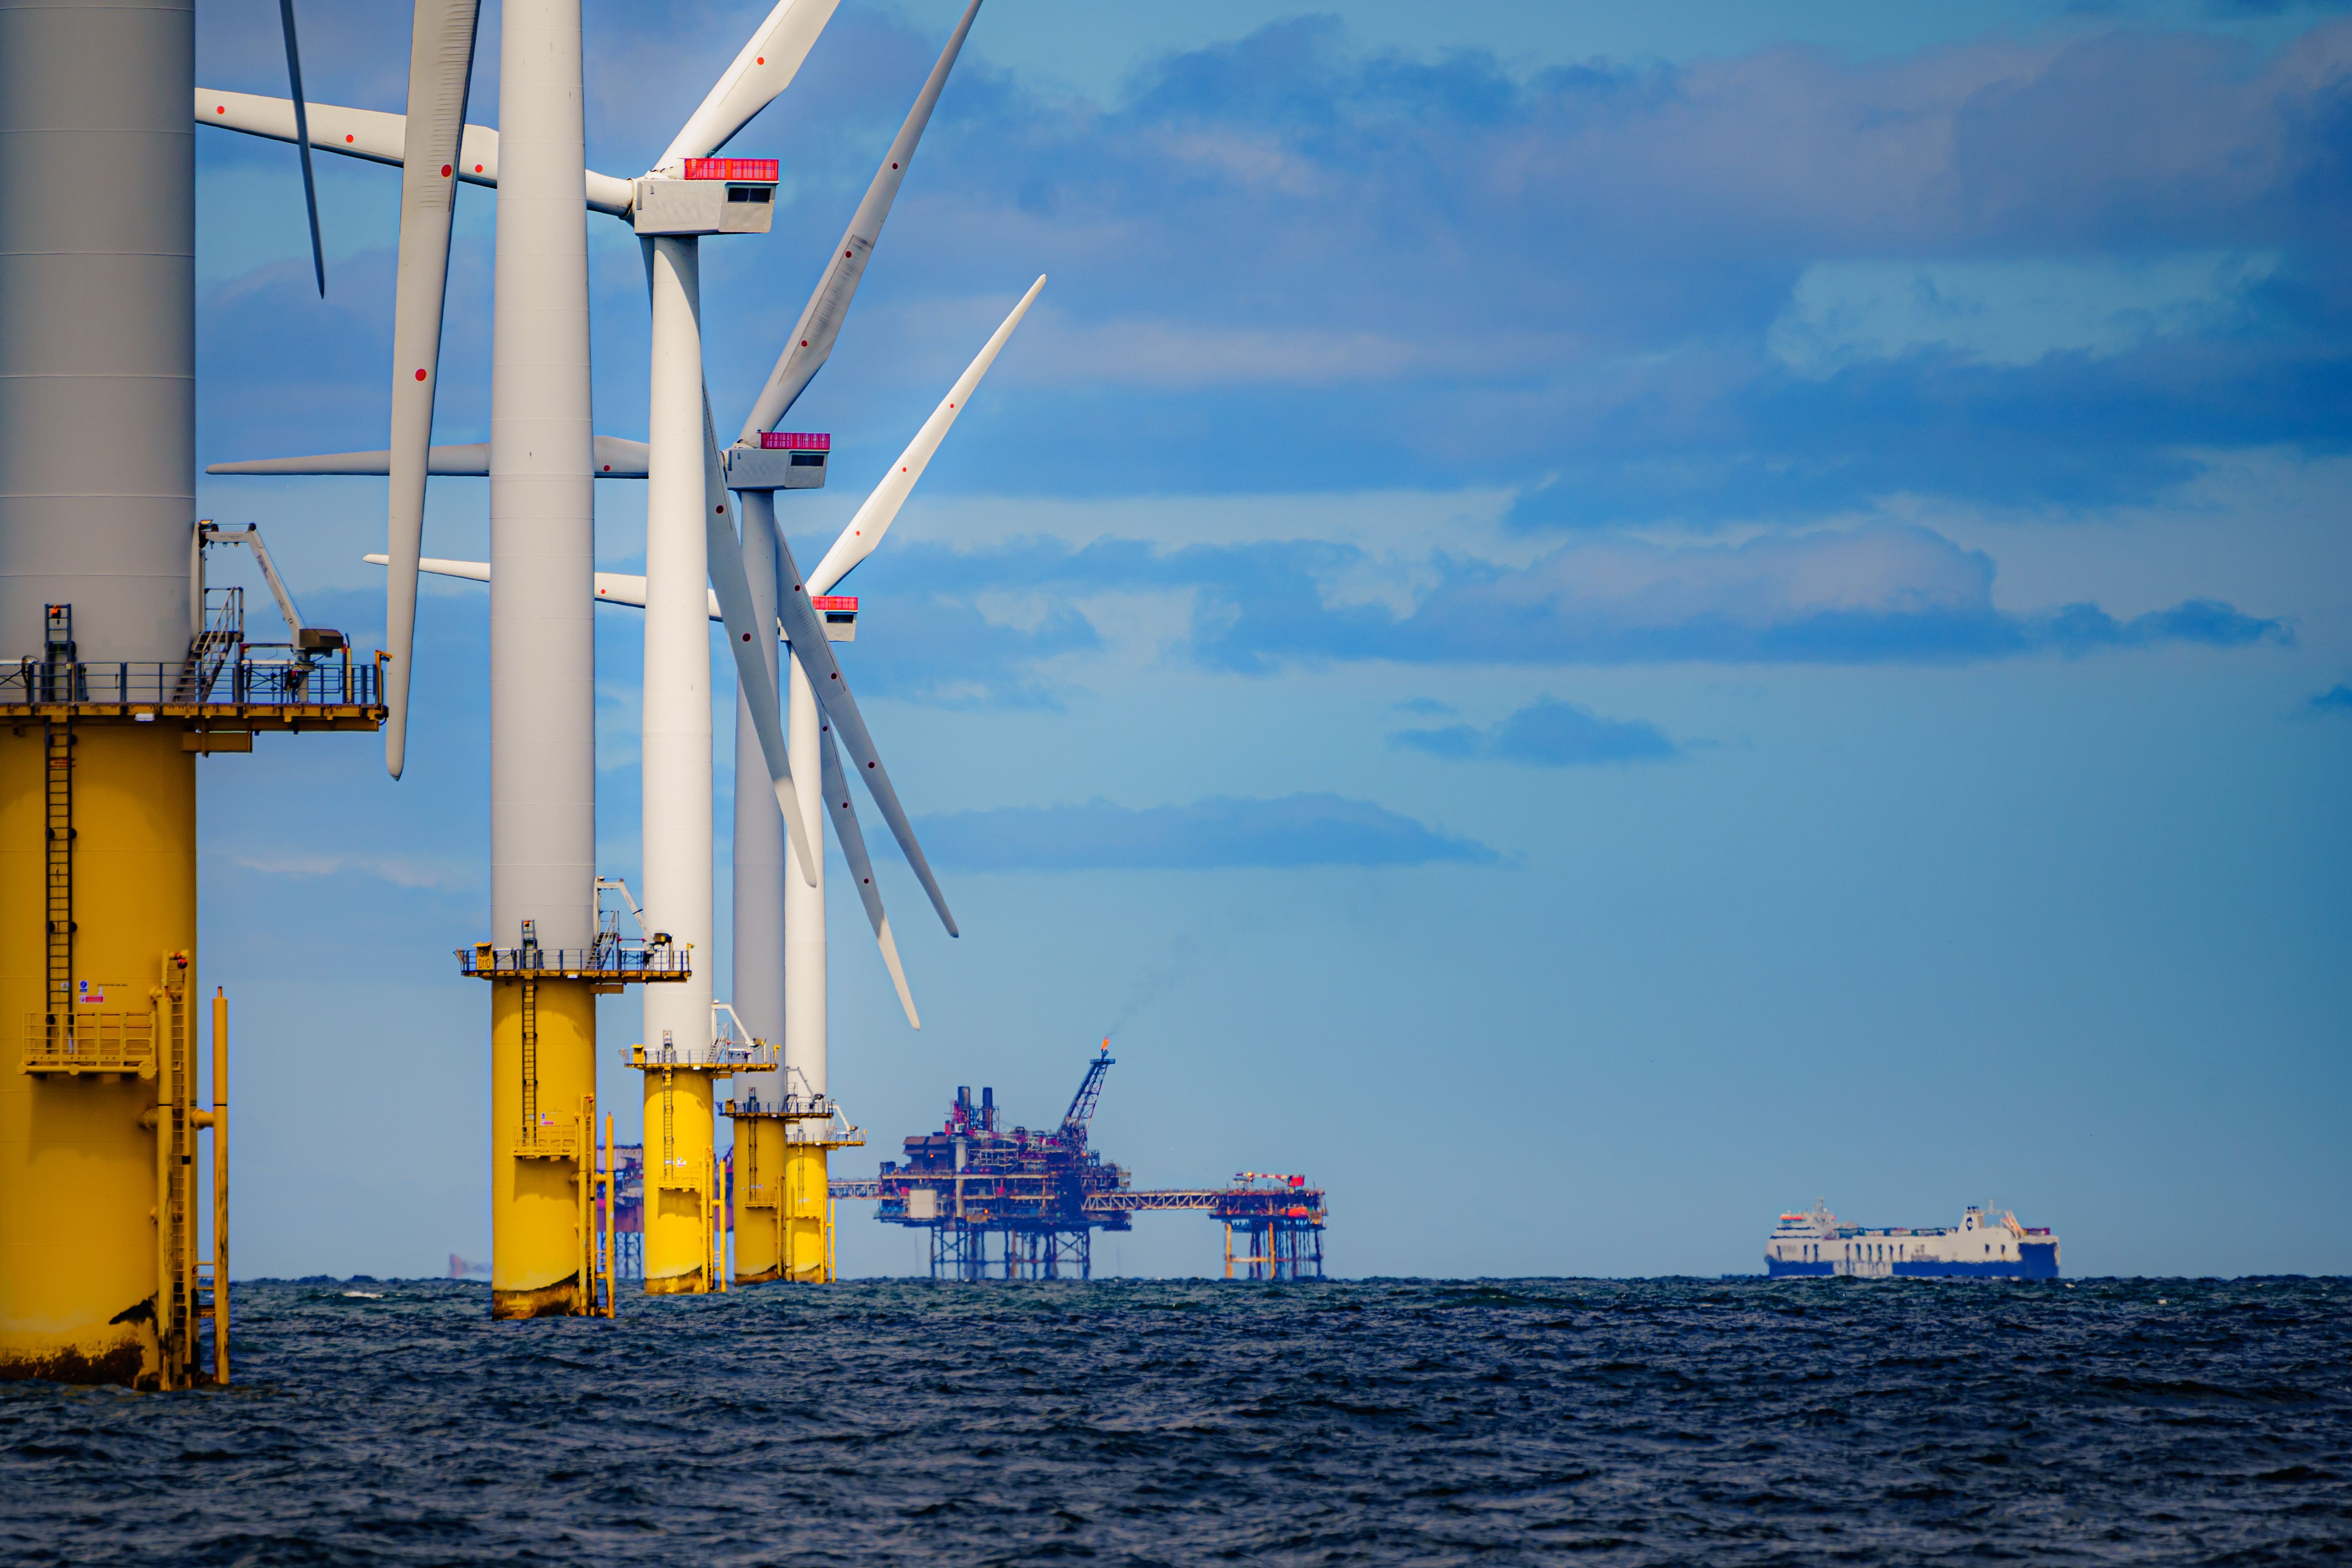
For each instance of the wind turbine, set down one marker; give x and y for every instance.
(661, 207)
(780, 946)
(541, 465)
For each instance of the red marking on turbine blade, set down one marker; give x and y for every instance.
(445, 171)
(420, 374)
(478, 168)
(351, 138)
(220, 109)
(762, 60)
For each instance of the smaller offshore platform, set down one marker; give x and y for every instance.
(1024, 1203)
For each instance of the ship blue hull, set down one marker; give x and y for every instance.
(2035, 1262)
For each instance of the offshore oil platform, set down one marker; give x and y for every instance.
(1024, 1203)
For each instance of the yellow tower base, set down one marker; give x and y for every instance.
(759, 1194)
(542, 1121)
(783, 1201)
(808, 1213)
(98, 933)
(548, 1254)
(686, 1213)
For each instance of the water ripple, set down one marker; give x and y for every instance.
(1147, 1423)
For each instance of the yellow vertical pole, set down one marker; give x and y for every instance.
(183, 1163)
(718, 1223)
(583, 1177)
(220, 1184)
(612, 1220)
(164, 1064)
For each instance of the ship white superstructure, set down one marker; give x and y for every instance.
(1983, 1246)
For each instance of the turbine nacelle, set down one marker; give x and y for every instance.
(712, 196)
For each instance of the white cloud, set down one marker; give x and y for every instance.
(441, 874)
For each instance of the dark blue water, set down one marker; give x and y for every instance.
(1815, 1421)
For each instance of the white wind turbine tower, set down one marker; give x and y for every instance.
(683, 550)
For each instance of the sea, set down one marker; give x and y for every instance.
(1135, 1422)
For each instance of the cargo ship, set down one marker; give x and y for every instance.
(1982, 1247)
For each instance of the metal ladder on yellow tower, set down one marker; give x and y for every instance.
(57, 874)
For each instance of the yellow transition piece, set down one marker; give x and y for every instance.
(759, 1169)
(543, 1104)
(80, 1253)
(680, 1143)
(808, 1210)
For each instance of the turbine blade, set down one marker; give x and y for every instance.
(440, 72)
(380, 137)
(861, 866)
(366, 133)
(764, 69)
(734, 589)
(874, 519)
(471, 570)
(805, 628)
(302, 138)
(820, 322)
(617, 457)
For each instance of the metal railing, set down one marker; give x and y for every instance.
(90, 1041)
(220, 641)
(618, 960)
(727, 1055)
(259, 677)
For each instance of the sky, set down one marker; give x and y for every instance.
(1584, 623)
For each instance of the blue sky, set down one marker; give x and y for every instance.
(1584, 623)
